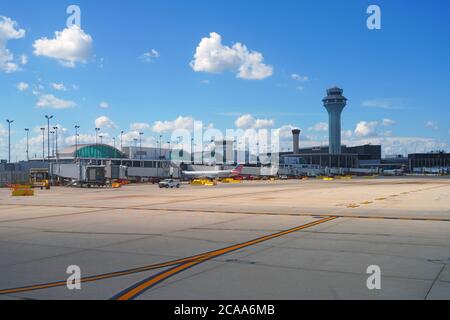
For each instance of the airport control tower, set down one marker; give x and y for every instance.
(335, 102)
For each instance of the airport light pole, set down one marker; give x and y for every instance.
(159, 160)
(140, 144)
(28, 134)
(160, 138)
(9, 139)
(195, 148)
(76, 139)
(53, 151)
(181, 152)
(101, 139)
(56, 140)
(43, 144)
(192, 150)
(114, 143)
(238, 150)
(234, 150)
(121, 140)
(213, 149)
(97, 130)
(170, 150)
(53, 144)
(135, 147)
(48, 134)
(257, 155)
(202, 149)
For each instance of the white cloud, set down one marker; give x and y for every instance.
(321, 126)
(390, 144)
(3, 132)
(3, 143)
(150, 56)
(186, 123)
(37, 89)
(69, 47)
(383, 104)
(82, 139)
(129, 138)
(18, 149)
(90, 139)
(285, 132)
(366, 133)
(104, 105)
(347, 134)
(284, 136)
(59, 86)
(388, 122)
(23, 86)
(262, 123)
(23, 59)
(401, 145)
(213, 57)
(52, 102)
(366, 129)
(104, 122)
(431, 125)
(9, 31)
(6, 62)
(300, 78)
(247, 121)
(139, 126)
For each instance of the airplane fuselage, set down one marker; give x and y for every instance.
(213, 174)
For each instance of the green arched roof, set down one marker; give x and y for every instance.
(100, 151)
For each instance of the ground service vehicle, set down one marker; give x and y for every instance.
(169, 183)
(40, 178)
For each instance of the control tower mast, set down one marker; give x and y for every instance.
(335, 102)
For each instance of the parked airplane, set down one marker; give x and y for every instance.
(394, 172)
(214, 174)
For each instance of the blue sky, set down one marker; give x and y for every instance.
(394, 78)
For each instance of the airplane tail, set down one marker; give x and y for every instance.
(238, 169)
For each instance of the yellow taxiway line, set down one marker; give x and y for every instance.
(178, 262)
(137, 289)
(237, 212)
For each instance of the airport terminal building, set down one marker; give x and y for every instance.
(147, 162)
(433, 162)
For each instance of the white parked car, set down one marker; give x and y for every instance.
(169, 183)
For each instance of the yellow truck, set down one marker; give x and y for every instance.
(203, 182)
(40, 178)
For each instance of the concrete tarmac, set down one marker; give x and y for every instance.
(290, 239)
